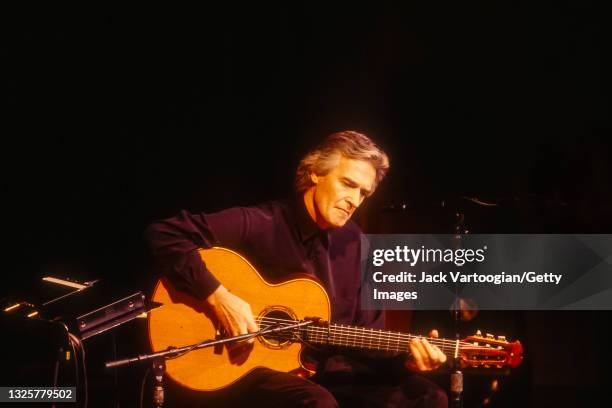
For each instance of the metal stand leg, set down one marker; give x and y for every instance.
(159, 367)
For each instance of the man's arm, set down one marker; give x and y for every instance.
(174, 243)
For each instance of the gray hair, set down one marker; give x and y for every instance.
(350, 144)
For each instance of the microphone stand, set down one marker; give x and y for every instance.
(159, 358)
(456, 377)
(159, 368)
(456, 384)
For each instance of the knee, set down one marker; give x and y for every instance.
(437, 398)
(317, 397)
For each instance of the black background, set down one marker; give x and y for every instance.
(114, 118)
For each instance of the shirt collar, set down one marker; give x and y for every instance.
(306, 225)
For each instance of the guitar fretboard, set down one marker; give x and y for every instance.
(372, 339)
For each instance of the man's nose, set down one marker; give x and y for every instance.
(353, 200)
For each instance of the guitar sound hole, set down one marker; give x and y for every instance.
(276, 316)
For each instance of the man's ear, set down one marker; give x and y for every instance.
(314, 178)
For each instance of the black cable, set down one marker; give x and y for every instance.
(76, 362)
(81, 349)
(71, 340)
(84, 373)
(56, 370)
(142, 385)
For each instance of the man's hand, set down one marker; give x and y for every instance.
(424, 356)
(233, 313)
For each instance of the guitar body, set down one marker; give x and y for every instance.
(183, 320)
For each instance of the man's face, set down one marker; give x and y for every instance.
(338, 194)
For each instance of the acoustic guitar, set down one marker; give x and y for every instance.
(183, 320)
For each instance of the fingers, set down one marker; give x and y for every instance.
(441, 355)
(420, 354)
(250, 324)
(236, 325)
(432, 354)
(425, 356)
(233, 313)
(415, 358)
(436, 356)
(243, 320)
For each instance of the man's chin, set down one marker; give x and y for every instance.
(339, 222)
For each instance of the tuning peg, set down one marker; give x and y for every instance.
(501, 338)
(490, 336)
(478, 333)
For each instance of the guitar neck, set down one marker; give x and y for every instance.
(371, 339)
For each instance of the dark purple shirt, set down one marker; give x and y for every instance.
(279, 238)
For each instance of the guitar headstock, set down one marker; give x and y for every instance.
(490, 351)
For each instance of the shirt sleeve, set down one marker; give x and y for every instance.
(174, 243)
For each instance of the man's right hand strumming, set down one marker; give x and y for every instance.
(234, 314)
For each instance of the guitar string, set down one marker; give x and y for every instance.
(345, 337)
(351, 333)
(373, 332)
(323, 338)
(387, 342)
(392, 344)
(346, 334)
(368, 333)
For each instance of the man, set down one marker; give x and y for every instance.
(312, 234)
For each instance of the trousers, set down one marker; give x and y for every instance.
(265, 387)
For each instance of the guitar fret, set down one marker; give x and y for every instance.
(387, 338)
(362, 337)
(397, 347)
(363, 332)
(375, 339)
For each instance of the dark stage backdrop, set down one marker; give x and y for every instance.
(114, 118)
